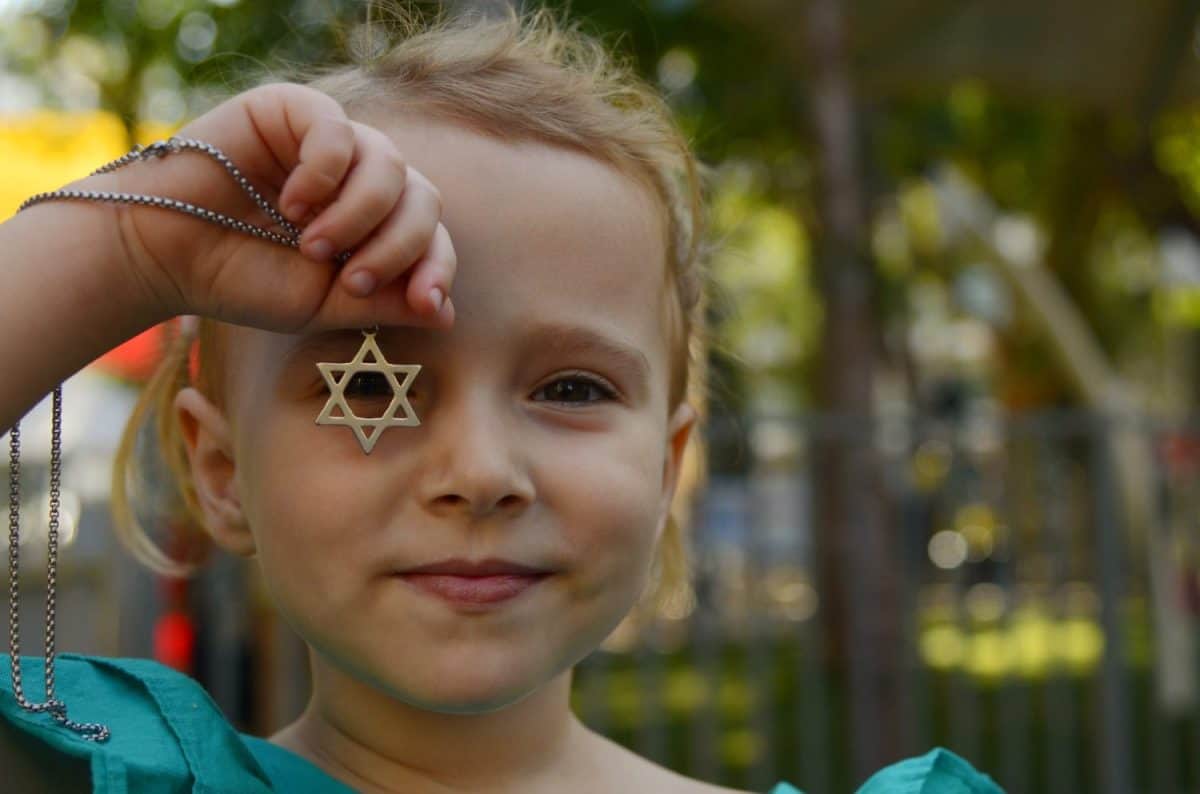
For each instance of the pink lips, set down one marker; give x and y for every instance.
(488, 589)
(474, 582)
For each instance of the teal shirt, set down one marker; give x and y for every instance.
(169, 736)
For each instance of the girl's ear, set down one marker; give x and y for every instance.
(679, 430)
(209, 444)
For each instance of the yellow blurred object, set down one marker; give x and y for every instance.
(1032, 645)
(988, 654)
(975, 514)
(1177, 306)
(686, 692)
(1081, 644)
(45, 149)
(943, 647)
(736, 698)
(931, 464)
(919, 208)
(1032, 635)
(741, 747)
(977, 523)
(1177, 152)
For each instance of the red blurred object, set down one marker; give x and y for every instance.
(175, 641)
(175, 631)
(1189, 586)
(1181, 452)
(135, 359)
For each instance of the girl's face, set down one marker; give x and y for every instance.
(545, 438)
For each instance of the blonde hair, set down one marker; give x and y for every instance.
(528, 76)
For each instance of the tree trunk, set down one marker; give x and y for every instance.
(859, 594)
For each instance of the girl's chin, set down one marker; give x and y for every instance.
(464, 692)
(463, 701)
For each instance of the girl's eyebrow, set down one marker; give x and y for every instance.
(569, 340)
(327, 341)
(563, 339)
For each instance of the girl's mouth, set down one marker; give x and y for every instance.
(474, 591)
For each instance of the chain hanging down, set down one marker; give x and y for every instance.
(290, 236)
(91, 731)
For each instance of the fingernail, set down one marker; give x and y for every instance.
(361, 283)
(320, 249)
(438, 297)
(297, 211)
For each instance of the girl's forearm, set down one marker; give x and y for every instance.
(66, 297)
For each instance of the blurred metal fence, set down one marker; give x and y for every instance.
(1044, 599)
(1046, 607)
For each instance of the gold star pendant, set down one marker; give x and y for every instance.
(338, 376)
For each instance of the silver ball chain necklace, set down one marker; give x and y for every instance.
(91, 731)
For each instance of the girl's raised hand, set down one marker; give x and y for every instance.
(343, 182)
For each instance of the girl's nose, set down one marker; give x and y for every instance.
(474, 463)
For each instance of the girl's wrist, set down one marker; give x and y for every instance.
(66, 298)
(125, 263)
(97, 263)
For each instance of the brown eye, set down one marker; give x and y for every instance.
(577, 389)
(368, 384)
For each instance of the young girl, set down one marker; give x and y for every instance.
(522, 218)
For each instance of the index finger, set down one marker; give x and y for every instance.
(326, 154)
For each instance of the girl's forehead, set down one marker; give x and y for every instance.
(542, 228)
(527, 183)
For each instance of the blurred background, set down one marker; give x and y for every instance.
(952, 450)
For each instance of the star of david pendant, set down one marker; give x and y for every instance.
(361, 363)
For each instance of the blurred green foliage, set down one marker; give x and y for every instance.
(1104, 189)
